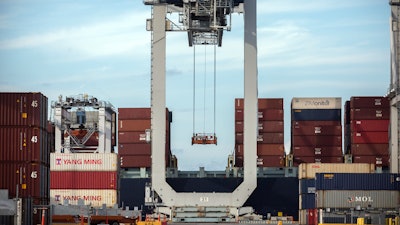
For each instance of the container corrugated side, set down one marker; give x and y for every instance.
(307, 186)
(357, 181)
(23, 109)
(370, 114)
(378, 160)
(308, 170)
(370, 125)
(370, 149)
(83, 180)
(307, 201)
(83, 162)
(316, 114)
(263, 126)
(352, 199)
(323, 151)
(316, 103)
(31, 179)
(263, 103)
(89, 196)
(24, 144)
(369, 102)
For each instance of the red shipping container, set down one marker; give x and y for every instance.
(297, 160)
(135, 161)
(313, 140)
(23, 109)
(83, 180)
(316, 130)
(369, 102)
(312, 216)
(263, 149)
(380, 161)
(24, 144)
(369, 149)
(263, 114)
(263, 126)
(370, 114)
(138, 114)
(370, 125)
(134, 149)
(346, 117)
(134, 125)
(369, 137)
(263, 103)
(263, 138)
(324, 151)
(31, 179)
(271, 161)
(132, 137)
(316, 123)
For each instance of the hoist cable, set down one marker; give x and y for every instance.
(194, 88)
(215, 84)
(204, 89)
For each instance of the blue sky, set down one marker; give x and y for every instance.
(306, 48)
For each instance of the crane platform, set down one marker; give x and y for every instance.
(204, 139)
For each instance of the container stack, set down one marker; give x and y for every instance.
(316, 130)
(86, 178)
(308, 211)
(365, 193)
(270, 141)
(134, 149)
(367, 137)
(24, 153)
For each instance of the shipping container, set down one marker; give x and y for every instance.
(313, 140)
(370, 125)
(316, 130)
(23, 109)
(263, 114)
(134, 149)
(370, 149)
(379, 137)
(30, 179)
(316, 123)
(263, 149)
(370, 114)
(263, 126)
(263, 103)
(139, 114)
(297, 160)
(83, 162)
(263, 138)
(83, 180)
(132, 137)
(316, 103)
(307, 201)
(316, 114)
(323, 151)
(307, 186)
(369, 102)
(24, 144)
(96, 198)
(346, 116)
(270, 161)
(357, 199)
(135, 161)
(357, 181)
(308, 170)
(379, 161)
(134, 125)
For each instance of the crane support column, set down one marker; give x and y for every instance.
(394, 90)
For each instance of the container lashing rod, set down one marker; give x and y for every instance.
(203, 138)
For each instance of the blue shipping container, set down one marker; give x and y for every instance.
(357, 181)
(316, 115)
(307, 201)
(306, 186)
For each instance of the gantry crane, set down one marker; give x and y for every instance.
(204, 21)
(394, 89)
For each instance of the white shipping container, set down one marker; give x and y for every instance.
(83, 162)
(357, 199)
(316, 103)
(308, 170)
(93, 197)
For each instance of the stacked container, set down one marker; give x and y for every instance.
(308, 213)
(134, 149)
(270, 140)
(367, 136)
(87, 177)
(316, 130)
(24, 160)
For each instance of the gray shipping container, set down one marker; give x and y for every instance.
(355, 199)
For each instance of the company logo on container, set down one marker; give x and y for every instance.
(57, 197)
(58, 161)
(317, 103)
(360, 199)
